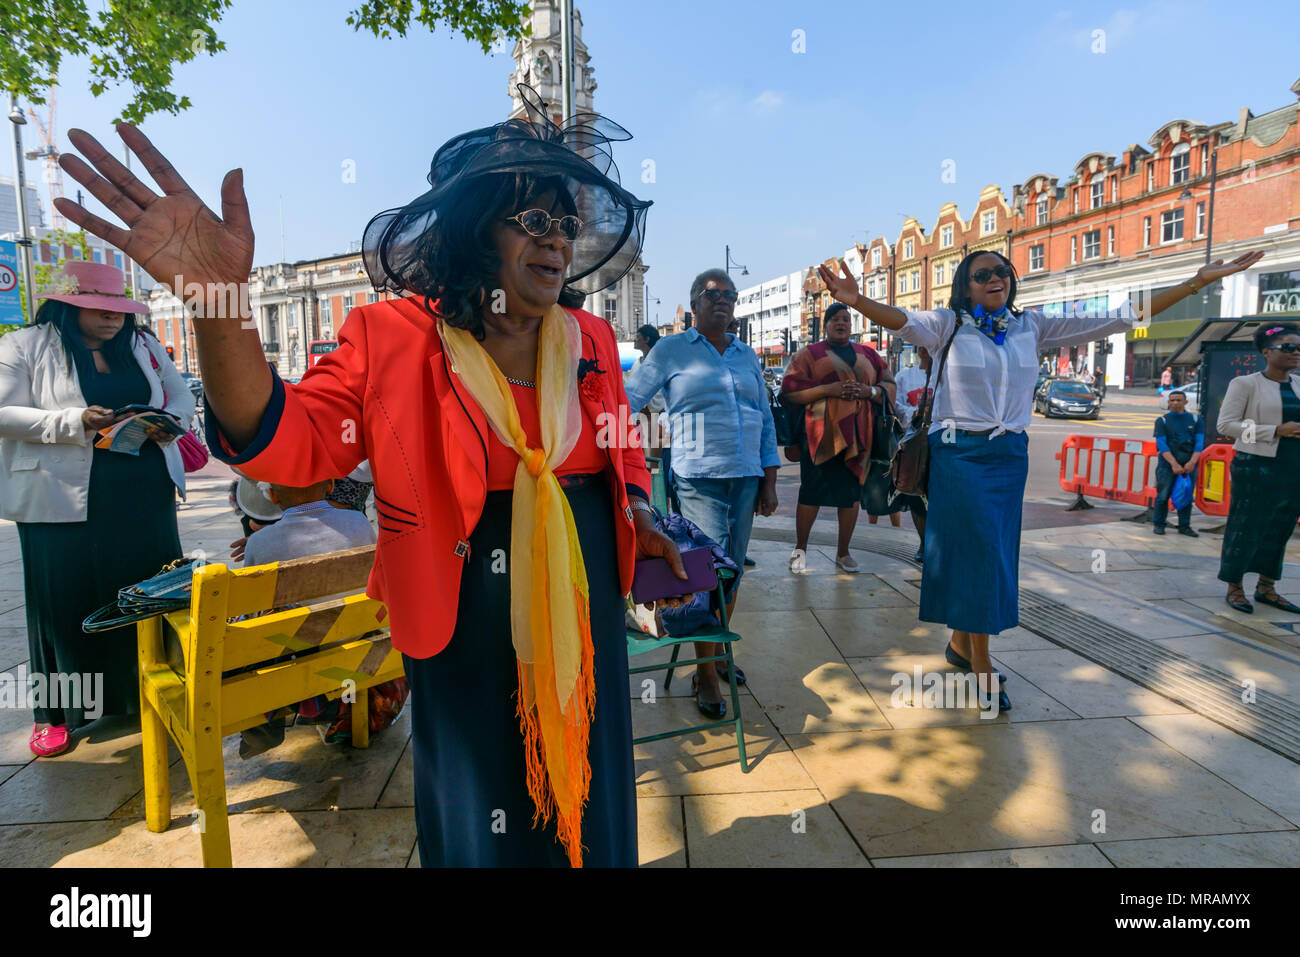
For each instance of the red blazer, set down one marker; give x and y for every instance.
(388, 394)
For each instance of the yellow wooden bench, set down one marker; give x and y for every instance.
(183, 655)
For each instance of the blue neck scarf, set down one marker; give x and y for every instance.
(993, 324)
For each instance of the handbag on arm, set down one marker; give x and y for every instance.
(910, 468)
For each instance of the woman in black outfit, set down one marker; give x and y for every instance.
(90, 520)
(1262, 412)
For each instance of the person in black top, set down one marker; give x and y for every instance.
(1179, 439)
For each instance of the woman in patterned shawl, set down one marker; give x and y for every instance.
(839, 383)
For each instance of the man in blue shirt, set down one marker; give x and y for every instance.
(1179, 440)
(723, 439)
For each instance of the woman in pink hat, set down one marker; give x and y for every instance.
(89, 520)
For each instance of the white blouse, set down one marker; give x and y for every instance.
(989, 386)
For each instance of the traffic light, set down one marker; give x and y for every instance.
(171, 353)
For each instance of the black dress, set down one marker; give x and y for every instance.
(1265, 504)
(72, 568)
(472, 807)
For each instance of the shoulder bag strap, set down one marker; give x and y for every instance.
(926, 396)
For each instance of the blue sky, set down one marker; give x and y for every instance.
(788, 157)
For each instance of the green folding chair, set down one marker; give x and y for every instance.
(639, 643)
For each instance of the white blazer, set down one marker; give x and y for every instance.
(1254, 402)
(44, 448)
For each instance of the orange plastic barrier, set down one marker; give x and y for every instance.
(1113, 469)
(1213, 479)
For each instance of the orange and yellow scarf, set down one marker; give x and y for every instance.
(549, 620)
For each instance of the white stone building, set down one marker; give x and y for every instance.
(537, 64)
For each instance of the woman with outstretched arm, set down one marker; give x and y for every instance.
(979, 458)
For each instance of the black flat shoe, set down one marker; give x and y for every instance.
(1189, 532)
(749, 562)
(919, 556)
(1242, 605)
(1278, 602)
(722, 674)
(1158, 529)
(957, 661)
(716, 711)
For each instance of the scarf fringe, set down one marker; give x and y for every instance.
(581, 711)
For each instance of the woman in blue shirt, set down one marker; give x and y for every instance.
(723, 439)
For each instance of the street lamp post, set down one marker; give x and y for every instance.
(1209, 227)
(24, 241)
(744, 271)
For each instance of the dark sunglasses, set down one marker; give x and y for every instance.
(1287, 347)
(982, 276)
(537, 222)
(716, 295)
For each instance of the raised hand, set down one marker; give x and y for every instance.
(843, 287)
(1216, 270)
(173, 235)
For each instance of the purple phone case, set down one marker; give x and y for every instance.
(654, 578)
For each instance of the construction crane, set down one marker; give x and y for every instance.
(50, 154)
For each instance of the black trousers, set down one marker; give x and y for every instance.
(1164, 486)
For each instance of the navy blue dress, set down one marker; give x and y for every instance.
(72, 568)
(472, 807)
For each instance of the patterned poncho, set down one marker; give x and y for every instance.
(833, 426)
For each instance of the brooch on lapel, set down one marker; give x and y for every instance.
(590, 383)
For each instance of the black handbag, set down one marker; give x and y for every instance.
(878, 489)
(169, 590)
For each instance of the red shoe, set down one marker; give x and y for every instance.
(49, 741)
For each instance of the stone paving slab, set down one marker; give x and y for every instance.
(661, 835)
(1276, 849)
(1065, 855)
(771, 829)
(355, 838)
(707, 762)
(1269, 778)
(795, 670)
(90, 782)
(892, 683)
(301, 774)
(999, 786)
(13, 646)
(882, 632)
(1087, 689)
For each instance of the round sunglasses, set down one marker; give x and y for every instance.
(982, 276)
(537, 223)
(1287, 347)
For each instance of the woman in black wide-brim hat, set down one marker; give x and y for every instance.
(509, 519)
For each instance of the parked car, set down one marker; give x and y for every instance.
(1069, 398)
(1193, 393)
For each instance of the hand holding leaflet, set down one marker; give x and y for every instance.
(142, 423)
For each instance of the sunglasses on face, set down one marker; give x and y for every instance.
(537, 222)
(716, 295)
(982, 276)
(1287, 347)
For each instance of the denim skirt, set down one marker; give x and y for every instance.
(971, 575)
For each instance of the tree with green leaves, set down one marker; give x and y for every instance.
(139, 42)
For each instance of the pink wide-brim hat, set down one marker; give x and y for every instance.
(91, 286)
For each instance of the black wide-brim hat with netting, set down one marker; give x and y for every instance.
(578, 153)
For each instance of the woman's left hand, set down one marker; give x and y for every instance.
(766, 502)
(652, 543)
(1212, 272)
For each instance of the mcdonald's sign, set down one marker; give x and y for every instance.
(1139, 332)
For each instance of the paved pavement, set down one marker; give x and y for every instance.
(850, 768)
